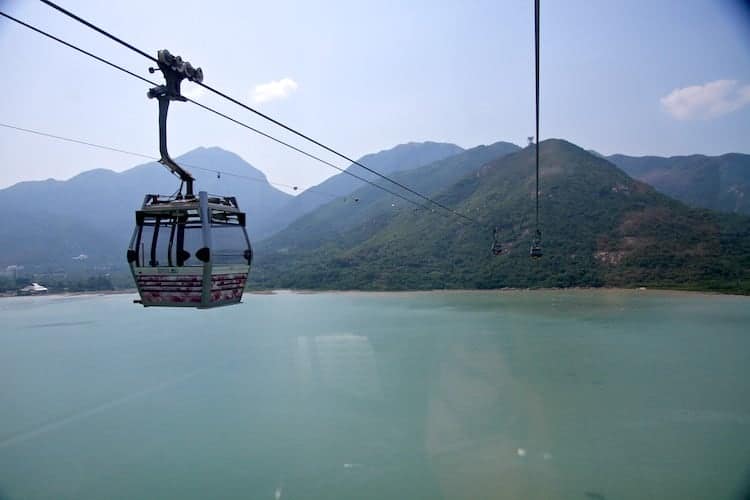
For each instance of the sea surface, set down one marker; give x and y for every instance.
(592, 395)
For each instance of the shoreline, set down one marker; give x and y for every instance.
(295, 291)
(672, 291)
(72, 294)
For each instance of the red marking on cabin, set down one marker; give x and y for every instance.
(176, 289)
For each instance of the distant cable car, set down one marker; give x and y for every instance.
(536, 245)
(187, 250)
(497, 247)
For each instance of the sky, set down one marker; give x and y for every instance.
(618, 76)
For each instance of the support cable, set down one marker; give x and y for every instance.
(262, 115)
(214, 111)
(536, 244)
(155, 158)
(536, 50)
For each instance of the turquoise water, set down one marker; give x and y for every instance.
(536, 395)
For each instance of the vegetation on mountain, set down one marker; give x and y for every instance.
(601, 228)
(399, 158)
(343, 219)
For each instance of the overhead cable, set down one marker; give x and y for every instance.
(216, 112)
(262, 115)
(155, 158)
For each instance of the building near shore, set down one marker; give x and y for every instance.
(33, 289)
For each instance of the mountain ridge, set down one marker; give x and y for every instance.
(600, 228)
(716, 182)
(98, 206)
(387, 161)
(374, 205)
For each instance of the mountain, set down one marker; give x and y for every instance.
(340, 220)
(51, 221)
(715, 182)
(600, 228)
(398, 158)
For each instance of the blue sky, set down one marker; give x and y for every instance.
(634, 77)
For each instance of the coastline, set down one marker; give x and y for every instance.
(670, 291)
(73, 294)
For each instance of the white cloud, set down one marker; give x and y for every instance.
(191, 91)
(277, 89)
(706, 101)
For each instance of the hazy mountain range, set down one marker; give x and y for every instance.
(49, 222)
(601, 226)
(715, 182)
(93, 213)
(401, 157)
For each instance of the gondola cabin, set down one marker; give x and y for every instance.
(190, 252)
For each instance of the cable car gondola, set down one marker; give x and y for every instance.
(497, 247)
(187, 250)
(536, 246)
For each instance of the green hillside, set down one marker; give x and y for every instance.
(600, 227)
(401, 157)
(345, 221)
